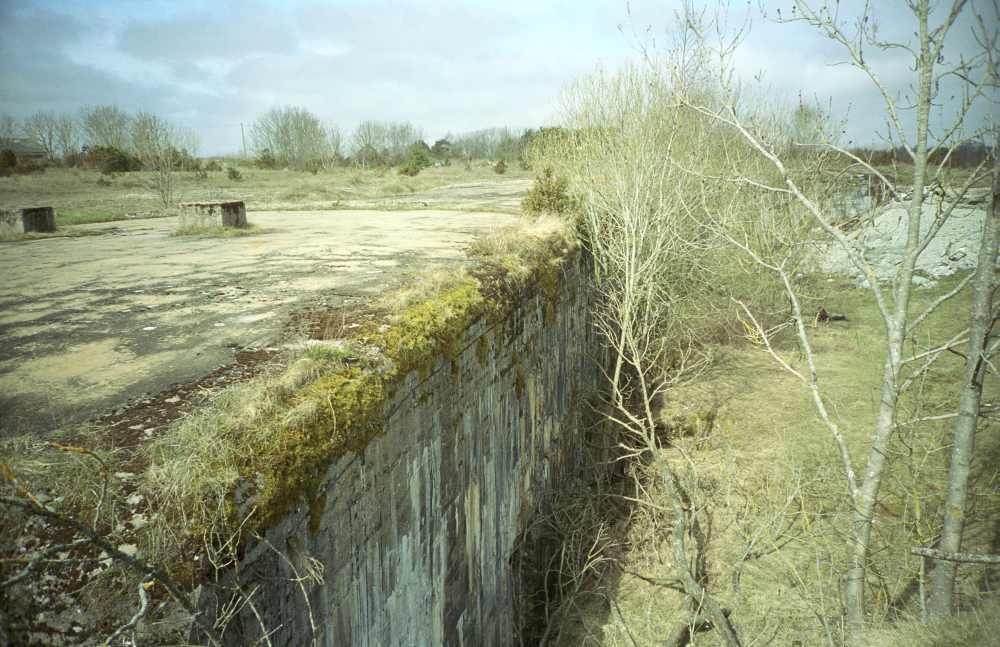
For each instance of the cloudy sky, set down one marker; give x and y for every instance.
(444, 65)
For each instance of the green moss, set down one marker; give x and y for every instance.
(335, 414)
(342, 411)
(430, 328)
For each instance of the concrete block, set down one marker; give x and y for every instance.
(29, 219)
(227, 214)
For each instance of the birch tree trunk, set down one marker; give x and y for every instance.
(964, 436)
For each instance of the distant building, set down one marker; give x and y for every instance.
(25, 149)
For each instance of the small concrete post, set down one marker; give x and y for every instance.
(229, 214)
(30, 219)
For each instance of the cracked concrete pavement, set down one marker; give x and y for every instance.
(90, 322)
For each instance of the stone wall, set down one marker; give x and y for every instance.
(415, 532)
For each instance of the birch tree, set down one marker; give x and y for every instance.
(933, 68)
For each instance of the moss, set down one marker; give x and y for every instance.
(335, 414)
(342, 411)
(430, 328)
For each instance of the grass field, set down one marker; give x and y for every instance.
(752, 450)
(84, 196)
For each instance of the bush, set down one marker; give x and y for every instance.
(213, 166)
(500, 168)
(548, 195)
(233, 174)
(103, 181)
(8, 159)
(410, 169)
(265, 159)
(418, 158)
(28, 167)
(108, 159)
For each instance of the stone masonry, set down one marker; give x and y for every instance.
(415, 533)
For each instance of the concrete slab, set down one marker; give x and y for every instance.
(88, 323)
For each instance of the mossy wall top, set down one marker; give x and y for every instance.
(410, 531)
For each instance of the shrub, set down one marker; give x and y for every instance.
(265, 159)
(548, 195)
(418, 158)
(108, 159)
(8, 159)
(28, 167)
(409, 169)
(233, 174)
(103, 181)
(500, 168)
(213, 166)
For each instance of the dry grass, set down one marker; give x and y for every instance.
(756, 455)
(193, 468)
(78, 198)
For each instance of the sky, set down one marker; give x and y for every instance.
(446, 66)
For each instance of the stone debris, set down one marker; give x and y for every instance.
(883, 241)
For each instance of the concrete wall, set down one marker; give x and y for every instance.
(415, 533)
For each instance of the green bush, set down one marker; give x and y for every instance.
(233, 174)
(418, 158)
(213, 166)
(500, 168)
(549, 194)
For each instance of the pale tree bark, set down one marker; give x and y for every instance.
(894, 303)
(963, 446)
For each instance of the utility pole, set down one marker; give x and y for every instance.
(243, 136)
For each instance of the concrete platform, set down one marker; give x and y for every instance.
(88, 323)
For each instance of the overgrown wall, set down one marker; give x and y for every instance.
(414, 533)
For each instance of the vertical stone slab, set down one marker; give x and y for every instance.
(416, 530)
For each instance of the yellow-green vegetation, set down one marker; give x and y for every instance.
(217, 231)
(755, 452)
(277, 434)
(83, 196)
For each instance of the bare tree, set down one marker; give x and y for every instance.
(159, 146)
(650, 267)
(893, 301)
(370, 143)
(67, 135)
(42, 128)
(334, 145)
(9, 128)
(106, 126)
(293, 136)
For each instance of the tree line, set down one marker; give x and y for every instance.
(283, 137)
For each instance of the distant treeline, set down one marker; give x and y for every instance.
(112, 140)
(102, 137)
(967, 155)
